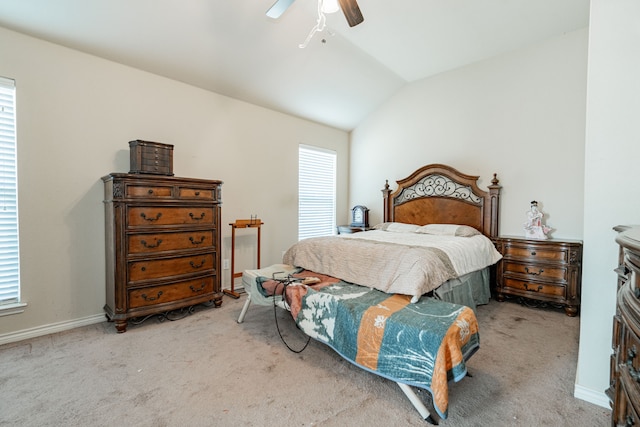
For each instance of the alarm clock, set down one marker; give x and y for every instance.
(359, 216)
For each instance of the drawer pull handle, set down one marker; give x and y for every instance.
(197, 193)
(540, 271)
(631, 355)
(151, 219)
(526, 288)
(630, 422)
(149, 246)
(146, 298)
(533, 253)
(193, 217)
(197, 290)
(197, 266)
(150, 191)
(194, 241)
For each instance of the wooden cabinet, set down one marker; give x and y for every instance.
(540, 271)
(624, 390)
(162, 245)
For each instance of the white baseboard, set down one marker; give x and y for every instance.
(50, 329)
(596, 397)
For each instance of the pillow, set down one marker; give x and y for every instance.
(397, 227)
(448, 230)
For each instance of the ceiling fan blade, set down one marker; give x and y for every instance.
(278, 8)
(351, 12)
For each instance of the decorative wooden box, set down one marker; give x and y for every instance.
(151, 157)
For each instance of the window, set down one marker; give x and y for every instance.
(316, 192)
(9, 253)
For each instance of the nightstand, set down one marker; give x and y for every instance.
(542, 272)
(347, 229)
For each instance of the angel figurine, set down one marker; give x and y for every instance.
(533, 228)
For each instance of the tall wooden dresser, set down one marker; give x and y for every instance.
(624, 390)
(162, 245)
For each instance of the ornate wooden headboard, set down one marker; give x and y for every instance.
(439, 194)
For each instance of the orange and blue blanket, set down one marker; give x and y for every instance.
(423, 344)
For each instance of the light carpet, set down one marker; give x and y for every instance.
(208, 370)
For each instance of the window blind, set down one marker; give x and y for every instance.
(9, 252)
(316, 192)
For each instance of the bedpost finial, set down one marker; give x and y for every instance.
(495, 179)
(386, 184)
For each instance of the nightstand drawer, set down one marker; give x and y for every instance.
(536, 271)
(535, 288)
(534, 252)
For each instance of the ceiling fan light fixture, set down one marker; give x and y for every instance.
(330, 6)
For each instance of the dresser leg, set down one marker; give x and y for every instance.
(121, 326)
(499, 297)
(571, 310)
(218, 301)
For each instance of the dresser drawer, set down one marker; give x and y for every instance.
(149, 191)
(534, 288)
(629, 390)
(163, 294)
(196, 193)
(631, 356)
(535, 271)
(160, 242)
(536, 253)
(151, 216)
(150, 269)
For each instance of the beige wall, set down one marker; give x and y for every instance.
(76, 114)
(520, 115)
(611, 174)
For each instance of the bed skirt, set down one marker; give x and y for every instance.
(472, 289)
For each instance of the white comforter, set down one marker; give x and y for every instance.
(397, 263)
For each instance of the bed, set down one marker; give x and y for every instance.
(383, 315)
(418, 249)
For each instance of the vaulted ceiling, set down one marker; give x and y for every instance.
(231, 47)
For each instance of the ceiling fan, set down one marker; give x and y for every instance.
(349, 8)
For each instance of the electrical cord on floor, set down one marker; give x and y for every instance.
(284, 283)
